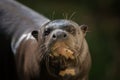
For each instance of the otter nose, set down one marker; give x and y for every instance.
(59, 35)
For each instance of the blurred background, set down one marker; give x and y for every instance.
(103, 19)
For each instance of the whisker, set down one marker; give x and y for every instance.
(66, 16)
(41, 52)
(63, 15)
(77, 60)
(72, 15)
(46, 62)
(53, 14)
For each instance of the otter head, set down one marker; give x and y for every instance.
(61, 43)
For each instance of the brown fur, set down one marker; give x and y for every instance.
(26, 59)
(32, 56)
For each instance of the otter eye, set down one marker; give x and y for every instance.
(71, 29)
(47, 31)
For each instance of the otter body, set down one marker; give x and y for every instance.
(45, 49)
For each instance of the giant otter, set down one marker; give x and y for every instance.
(45, 49)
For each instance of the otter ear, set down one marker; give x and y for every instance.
(35, 34)
(84, 28)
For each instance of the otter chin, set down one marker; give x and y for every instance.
(62, 61)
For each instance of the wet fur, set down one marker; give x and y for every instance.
(33, 59)
(31, 54)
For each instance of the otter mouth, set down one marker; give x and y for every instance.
(61, 60)
(61, 49)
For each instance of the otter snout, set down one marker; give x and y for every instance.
(59, 35)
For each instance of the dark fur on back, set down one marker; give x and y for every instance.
(16, 19)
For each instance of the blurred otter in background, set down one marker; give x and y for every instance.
(44, 49)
